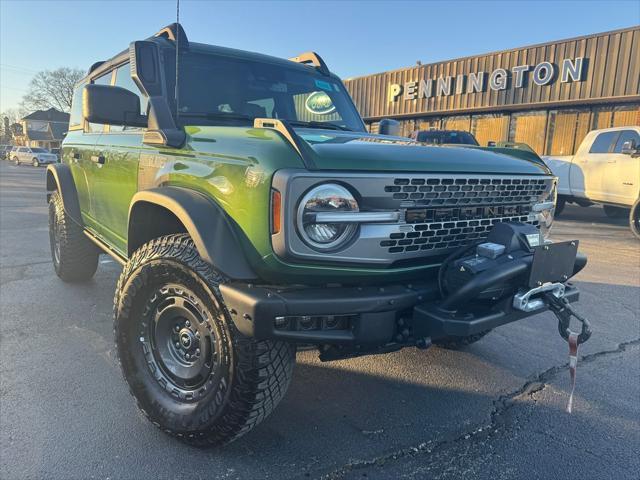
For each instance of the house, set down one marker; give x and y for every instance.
(43, 128)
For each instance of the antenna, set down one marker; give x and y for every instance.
(177, 57)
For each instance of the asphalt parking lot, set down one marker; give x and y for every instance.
(494, 410)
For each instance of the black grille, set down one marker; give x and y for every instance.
(446, 234)
(466, 191)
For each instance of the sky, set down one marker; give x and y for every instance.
(354, 37)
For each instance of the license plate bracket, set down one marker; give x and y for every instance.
(553, 262)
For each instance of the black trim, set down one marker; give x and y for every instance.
(378, 313)
(59, 178)
(218, 241)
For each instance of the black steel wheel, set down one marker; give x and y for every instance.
(634, 219)
(35, 162)
(192, 373)
(74, 257)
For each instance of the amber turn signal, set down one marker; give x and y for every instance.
(276, 211)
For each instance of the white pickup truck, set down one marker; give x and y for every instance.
(605, 170)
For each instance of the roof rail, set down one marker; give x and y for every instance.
(94, 66)
(314, 59)
(171, 32)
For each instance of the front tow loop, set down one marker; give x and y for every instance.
(561, 307)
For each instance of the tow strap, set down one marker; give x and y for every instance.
(563, 310)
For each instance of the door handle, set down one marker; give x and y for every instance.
(98, 159)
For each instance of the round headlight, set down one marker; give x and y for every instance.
(329, 198)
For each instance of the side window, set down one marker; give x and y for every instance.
(627, 136)
(124, 80)
(75, 120)
(602, 143)
(103, 80)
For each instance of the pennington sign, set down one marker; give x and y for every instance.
(544, 73)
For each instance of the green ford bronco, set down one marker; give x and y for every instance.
(253, 213)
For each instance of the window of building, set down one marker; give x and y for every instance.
(616, 116)
(462, 122)
(602, 143)
(75, 118)
(103, 80)
(627, 136)
(124, 80)
(566, 129)
(529, 128)
(490, 128)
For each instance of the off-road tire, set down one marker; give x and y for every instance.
(456, 343)
(615, 212)
(76, 258)
(634, 219)
(248, 378)
(35, 162)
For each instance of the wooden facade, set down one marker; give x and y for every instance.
(552, 117)
(611, 73)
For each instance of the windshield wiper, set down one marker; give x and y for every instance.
(314, 124)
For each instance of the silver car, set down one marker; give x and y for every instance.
(33, 155)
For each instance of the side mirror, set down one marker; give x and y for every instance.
(111, 105)
(387, 126)
(629, 148)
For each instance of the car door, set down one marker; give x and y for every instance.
(622, 181)
(595, 164)
(114, 175)
(23, 154)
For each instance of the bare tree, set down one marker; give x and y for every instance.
(52, 88)
(8, 119)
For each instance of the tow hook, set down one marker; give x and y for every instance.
(563, 310)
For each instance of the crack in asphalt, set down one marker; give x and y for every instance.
(500, 406)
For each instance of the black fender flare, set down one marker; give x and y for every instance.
(213, 233)
(59, 178)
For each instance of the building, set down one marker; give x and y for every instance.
(548, 95)
(43, 128)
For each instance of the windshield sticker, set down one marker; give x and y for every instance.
(323, 85)
(319, 103)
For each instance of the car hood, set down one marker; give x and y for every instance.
(333, 150)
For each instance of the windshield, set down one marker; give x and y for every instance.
(443, 138)
(217, 90)
(38, 150)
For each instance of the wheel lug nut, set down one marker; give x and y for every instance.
(187, 356)
(187, 323)
(197, 352)
(177, 344)
(177, 328)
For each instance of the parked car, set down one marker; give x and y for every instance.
(605, 170)
(260, 216)
(4, 149)
(33, 155)
(444, 137)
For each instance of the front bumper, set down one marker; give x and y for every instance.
(369, 317)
